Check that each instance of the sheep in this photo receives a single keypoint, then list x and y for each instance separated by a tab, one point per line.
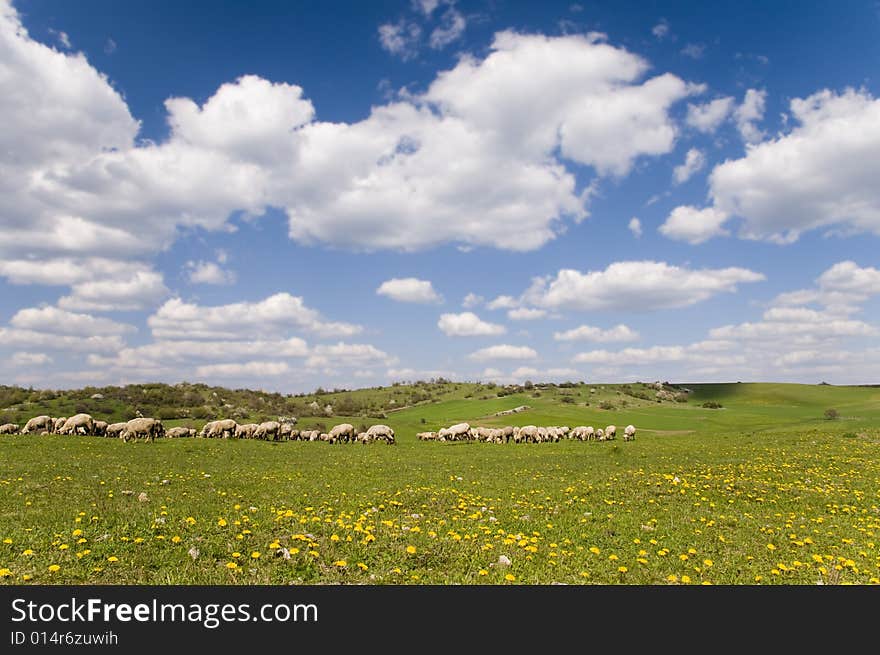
115	430
78	424
267	429
180	433
629	433
426	436
379	431
9	428
224	428
57	424
37	424
600	435
100	428
343	432
610	432
148	428
246	430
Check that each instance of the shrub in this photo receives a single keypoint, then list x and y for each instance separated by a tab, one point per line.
711	404
831	414
606	404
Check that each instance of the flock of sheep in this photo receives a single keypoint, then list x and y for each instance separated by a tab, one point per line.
152	428
525	434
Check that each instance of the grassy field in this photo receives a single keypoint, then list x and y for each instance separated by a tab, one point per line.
762	490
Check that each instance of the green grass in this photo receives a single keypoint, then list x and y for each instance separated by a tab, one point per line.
765	490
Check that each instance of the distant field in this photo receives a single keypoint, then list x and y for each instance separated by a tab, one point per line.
763	490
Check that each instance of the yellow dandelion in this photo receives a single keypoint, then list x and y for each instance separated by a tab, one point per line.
362	566
595	550
113	558
613	557
683	557
5	573
672	577
686	579
758	578
510	577
255	555
231	565
274	545
77	532
483	572
222	523
622	569
27	551
175	539
63	547
53	568
27	577
411	550
236	554
334	537
341	563
708	562
190	520
7	541
771	547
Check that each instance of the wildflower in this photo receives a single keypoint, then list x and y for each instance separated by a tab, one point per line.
27	551
613	557
274	545
483	572
113	558
622	569
411	550
77	532
54	568
190	520
341	563
595	550
222	523
686	579
5	573
26	577
236	554
231	565
510	577
708	562
771	547
362	566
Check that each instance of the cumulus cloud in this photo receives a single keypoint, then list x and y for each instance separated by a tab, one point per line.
661	30
58	321
139	290
451	29
349	354
750	112
26	360
409	289
635	286
619	332
503	351
178	319
561	374
18	338
797	325
694	225
472	300
243	370
709	116
822	173
657	355
503	302
467	324
400	38
174	352
635	226
694	162
841	288
694	50
526	314
203	272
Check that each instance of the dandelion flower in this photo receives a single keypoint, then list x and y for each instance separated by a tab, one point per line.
113	558
5	573
771	547
27	551
274	545
53	568
255	555
362	566
175	539
622	569
26	577
341	563
708	562
231	565
411	550
483	572
510	577
595	550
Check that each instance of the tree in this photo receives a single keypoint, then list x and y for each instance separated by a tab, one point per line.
528	384
831	414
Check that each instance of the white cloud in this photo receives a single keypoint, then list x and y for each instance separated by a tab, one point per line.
349	355
18	338
426	7
795	326
526	314
74	182
472	300
409	289
694	50
503	302
59	321
25	359
63	38
209	273
246	369
635	286
503	351
160	353
656	355
748	113
467	324
708	117
693	225
451	29
823	173
840	289
635	226
661	30
694	162
545	375
177	319
619	332
141	289
109	46
400	38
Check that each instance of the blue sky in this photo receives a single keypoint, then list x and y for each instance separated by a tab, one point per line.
291	195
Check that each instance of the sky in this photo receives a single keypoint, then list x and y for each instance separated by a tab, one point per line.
292	195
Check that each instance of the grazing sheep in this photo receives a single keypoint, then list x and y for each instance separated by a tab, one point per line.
527	434
37	424
600	435
9	428
266	430
148	428
246	430
115	430
379	431
100	428
629	433
284	431
78	424
224	428
180	433
57	424
610	432
426	436
344	432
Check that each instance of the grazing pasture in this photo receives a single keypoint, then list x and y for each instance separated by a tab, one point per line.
761	489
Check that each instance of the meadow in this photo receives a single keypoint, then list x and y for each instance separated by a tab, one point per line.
761	490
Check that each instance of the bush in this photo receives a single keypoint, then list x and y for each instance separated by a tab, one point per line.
711	404
606	404
831	414
568	400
